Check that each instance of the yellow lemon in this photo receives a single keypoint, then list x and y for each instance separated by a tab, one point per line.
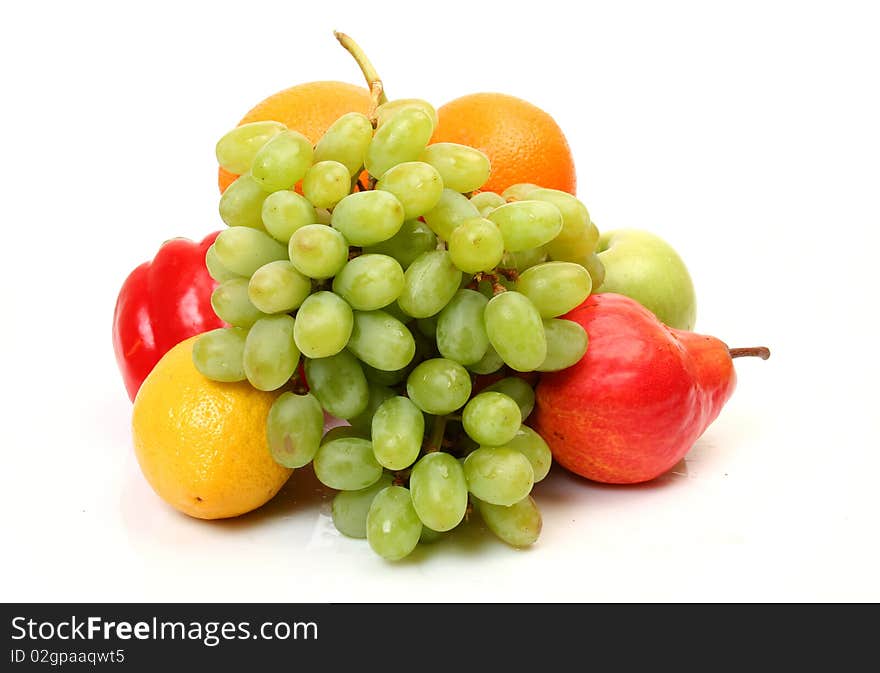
202	445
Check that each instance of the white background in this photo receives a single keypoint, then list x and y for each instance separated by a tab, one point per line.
744	133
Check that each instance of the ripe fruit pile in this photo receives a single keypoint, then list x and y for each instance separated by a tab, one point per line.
368	279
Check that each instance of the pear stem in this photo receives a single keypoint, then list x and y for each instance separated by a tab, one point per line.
377	90
754	352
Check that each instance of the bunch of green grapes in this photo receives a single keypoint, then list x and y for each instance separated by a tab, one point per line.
392	291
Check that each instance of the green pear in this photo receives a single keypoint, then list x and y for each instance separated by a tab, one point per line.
644	267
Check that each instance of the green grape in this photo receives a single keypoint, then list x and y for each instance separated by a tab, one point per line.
283	161
270	354
476	245
566	344
381	340
490	363
416	185
318	251
425	348
215	269
376	396
277	287
491	418
218	354
241	205
439	386
579	235
393	527
451	210
527	224
486	202
516	331
498	475
534	448
323	325
326	184
231	303
428	326
369	282
429	536
464	445
285	212
323	216
460	331
347	464
439	491
236	150
525	259
594	267
367	218
402	137
385	111
341	431
346	141
564	249
555	287
571	249
383	378
394	310
462	168
397	430
412	239
339	384
489	288
429	283
519	191
349	508
243	250
519	525
294	428
517	389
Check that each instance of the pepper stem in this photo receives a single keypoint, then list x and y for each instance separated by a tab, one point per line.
754	352
377	90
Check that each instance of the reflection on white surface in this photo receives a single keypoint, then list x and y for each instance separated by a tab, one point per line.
272	547
739	519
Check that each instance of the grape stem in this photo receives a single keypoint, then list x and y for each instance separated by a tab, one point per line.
497	287
401	477
299	386
377	89
435	440
511	274
753	352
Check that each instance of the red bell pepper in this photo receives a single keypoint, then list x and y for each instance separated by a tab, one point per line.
161	303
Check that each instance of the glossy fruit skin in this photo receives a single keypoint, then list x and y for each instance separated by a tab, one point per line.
523	143
643	266
309	108
639	398
161	303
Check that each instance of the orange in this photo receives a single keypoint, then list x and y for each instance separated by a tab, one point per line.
309	108
202	445
523	143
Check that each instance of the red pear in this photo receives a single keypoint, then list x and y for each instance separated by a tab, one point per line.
639	398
